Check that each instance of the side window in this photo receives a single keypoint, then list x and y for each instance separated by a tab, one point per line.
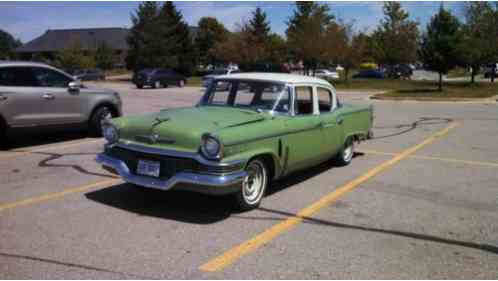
304	101
17	77
324	99
49	78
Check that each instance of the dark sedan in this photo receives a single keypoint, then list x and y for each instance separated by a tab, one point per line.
374	74
158	78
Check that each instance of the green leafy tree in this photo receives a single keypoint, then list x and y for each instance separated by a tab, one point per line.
439	46
306	30
73	57
104	57
480	36
210	32
7	45
396	38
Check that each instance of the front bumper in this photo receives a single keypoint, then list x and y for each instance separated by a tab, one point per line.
202	183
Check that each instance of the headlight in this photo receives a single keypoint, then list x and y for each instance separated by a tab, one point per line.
110	133
211	147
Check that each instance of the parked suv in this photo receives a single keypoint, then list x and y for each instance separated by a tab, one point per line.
158	78
35	95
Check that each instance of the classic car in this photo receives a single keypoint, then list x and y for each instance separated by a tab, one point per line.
237	139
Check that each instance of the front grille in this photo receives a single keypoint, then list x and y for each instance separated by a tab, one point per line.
169	165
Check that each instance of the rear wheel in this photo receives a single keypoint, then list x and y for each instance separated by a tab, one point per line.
157	84
181	83
253	186
3	136
345	155
100	115
140	86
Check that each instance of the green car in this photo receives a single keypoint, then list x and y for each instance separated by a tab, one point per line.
247	130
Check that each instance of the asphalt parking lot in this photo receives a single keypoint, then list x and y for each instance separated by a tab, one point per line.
420	200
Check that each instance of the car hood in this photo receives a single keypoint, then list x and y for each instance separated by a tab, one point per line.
182	128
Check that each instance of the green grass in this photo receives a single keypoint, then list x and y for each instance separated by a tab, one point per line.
420	89
428	90
458	72
113	72
194	81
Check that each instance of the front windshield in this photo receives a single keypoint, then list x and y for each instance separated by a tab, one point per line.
255	95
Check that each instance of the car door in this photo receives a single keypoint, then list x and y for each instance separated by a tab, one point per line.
304	137
330	121
19	97
59	104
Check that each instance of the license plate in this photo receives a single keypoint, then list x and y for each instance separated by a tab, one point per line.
148	168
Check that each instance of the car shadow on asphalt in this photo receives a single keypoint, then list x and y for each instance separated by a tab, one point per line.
405	234
25	141
185	206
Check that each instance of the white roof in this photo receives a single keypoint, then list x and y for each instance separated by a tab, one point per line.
277	77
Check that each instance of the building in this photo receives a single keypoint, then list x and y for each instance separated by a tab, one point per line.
53	40
88	39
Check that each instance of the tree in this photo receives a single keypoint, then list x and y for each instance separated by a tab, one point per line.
259	26
7	45
210	32
396	38
480	35
140	40
306	31
159	38
104	56
73	57
173	42
439	47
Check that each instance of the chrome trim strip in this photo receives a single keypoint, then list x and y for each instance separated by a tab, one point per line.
174	153
182	177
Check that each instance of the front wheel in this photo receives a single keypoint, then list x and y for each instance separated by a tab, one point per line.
345	155
4	141
181	83
253	186
100	115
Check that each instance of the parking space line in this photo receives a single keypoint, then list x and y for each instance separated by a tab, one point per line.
22	152
56	195
232	255
452	160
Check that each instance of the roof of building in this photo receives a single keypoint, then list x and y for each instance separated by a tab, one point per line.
277	77
87	38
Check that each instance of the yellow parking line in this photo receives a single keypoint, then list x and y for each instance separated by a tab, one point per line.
225	259
22	152
452	160
56	195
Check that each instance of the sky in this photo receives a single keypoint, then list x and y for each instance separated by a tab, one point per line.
28	20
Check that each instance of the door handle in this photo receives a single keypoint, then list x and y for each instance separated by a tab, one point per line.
340	120
2	97
48	96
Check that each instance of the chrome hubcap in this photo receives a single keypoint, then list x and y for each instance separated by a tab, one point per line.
348	153
158	85
254	182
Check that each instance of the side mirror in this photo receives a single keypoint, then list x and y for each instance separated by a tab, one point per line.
74	86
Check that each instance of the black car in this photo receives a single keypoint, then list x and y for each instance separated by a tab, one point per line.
89	74
374	73
158	78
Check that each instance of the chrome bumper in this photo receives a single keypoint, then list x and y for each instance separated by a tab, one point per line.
221	184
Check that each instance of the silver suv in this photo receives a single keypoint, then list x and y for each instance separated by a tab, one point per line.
35	95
